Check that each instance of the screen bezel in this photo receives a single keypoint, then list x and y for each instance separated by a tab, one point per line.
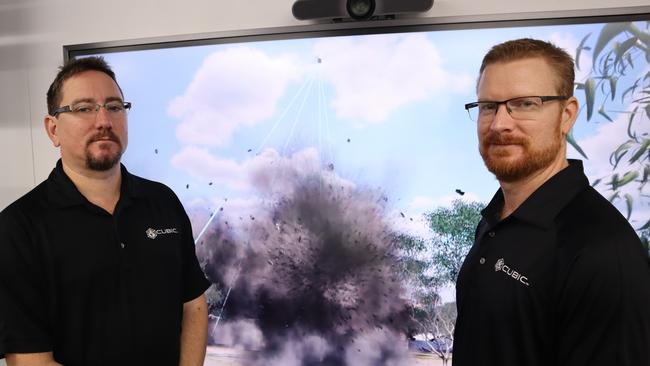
345	28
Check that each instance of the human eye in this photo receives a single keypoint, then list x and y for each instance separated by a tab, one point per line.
525	104
114	107
487	107
83	108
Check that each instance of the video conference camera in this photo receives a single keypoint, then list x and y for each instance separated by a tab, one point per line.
356	9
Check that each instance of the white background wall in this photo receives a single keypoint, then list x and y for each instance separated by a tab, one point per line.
32	33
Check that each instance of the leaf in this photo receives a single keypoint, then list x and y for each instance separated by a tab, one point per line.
572	141
612	85
629	60
595	183
581	47
579	86
644	37
629	123
601	111
627	178
621	150
609	32
640	151
613	197
629	202
623	48
646	173
590	94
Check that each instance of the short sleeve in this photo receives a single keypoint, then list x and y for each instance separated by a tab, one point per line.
24	307
194	281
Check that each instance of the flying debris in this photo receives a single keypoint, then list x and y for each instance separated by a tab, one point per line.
402	214
460	192
348	140
187	186
330	166
210	183
249	150
319	60
312	251
156	151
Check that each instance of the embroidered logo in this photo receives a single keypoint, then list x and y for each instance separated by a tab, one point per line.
501	266
153	233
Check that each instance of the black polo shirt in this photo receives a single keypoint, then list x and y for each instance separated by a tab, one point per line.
563	280
96	288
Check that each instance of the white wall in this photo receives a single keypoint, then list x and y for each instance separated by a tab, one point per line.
32	33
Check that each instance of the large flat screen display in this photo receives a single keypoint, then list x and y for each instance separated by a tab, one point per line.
334	182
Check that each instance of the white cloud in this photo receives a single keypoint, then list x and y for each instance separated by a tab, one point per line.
375	75
237	86
202	165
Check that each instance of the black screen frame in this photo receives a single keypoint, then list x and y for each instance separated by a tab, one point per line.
346	28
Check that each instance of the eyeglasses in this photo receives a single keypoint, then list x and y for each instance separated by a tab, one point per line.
518	108
88	110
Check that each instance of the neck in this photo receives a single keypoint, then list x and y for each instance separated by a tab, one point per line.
515	193
100	188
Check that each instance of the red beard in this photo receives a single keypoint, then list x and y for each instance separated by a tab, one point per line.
506	167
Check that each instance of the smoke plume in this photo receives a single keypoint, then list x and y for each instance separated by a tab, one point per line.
313	268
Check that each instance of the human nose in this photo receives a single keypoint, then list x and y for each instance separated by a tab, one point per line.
502	119
102	117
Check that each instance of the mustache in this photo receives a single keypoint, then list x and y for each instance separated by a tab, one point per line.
495	138
105	135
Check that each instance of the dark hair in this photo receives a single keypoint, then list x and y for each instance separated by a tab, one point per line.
522	48
71	68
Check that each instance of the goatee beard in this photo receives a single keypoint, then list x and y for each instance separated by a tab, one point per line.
530	161
107	162
103	164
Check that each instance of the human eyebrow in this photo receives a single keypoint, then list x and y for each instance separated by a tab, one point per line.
113	99
82	100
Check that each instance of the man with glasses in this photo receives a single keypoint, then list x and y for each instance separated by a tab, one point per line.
556	276
98	266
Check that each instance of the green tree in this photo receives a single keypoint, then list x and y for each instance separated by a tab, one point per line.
430	264
619	78
453	235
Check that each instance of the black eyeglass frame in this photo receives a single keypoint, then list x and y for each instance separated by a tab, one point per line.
544	99
68	108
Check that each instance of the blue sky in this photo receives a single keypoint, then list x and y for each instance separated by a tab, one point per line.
385	110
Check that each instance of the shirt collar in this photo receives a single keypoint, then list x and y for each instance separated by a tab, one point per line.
63	193
543	205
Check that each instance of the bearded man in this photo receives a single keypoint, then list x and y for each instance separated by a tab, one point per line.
98	266
556	276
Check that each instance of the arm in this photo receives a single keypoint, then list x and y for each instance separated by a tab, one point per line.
194	332
28	359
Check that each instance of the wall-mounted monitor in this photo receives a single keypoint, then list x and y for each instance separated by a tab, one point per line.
333	178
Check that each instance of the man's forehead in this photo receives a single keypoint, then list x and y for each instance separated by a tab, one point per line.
88	85
521	76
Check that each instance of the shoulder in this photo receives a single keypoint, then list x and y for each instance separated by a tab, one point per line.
592	217
152	189
31	204
594	237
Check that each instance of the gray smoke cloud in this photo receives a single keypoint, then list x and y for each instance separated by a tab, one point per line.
313	270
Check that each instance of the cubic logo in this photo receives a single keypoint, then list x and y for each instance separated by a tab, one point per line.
501	266
153	233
